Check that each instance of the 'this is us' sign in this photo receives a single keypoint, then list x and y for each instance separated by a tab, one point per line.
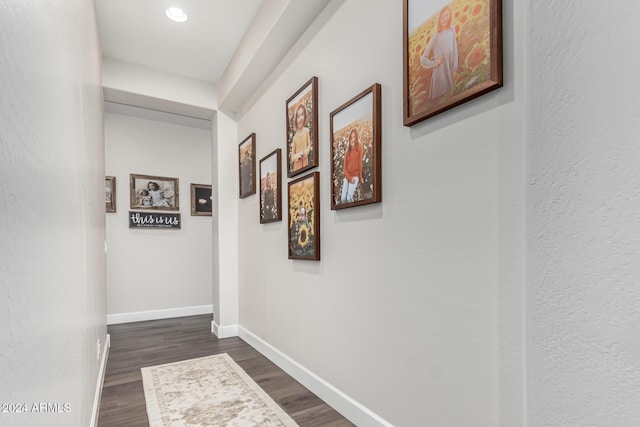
153	220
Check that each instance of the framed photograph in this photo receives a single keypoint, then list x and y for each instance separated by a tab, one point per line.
452	53
110	193
270	187
154	192
201	200
247	166
304	217
302	129
356	159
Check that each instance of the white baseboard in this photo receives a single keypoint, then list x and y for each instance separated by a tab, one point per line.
341	402
138	316
224	331
101	373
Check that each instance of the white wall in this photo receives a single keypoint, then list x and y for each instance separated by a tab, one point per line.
52	268
152	269
583	299
415	310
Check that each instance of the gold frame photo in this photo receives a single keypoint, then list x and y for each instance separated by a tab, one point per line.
356	157
302	129
304	217
154	192
452	53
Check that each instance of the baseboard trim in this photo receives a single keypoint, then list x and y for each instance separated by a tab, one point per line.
224	331
167	313
101	374
338	400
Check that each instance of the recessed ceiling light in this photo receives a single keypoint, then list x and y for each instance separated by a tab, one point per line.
176	14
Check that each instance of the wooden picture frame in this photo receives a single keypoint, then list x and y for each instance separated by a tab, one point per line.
304	217
247	166
271	187
302	129
154	192
356	170
201	200
451	54
110	193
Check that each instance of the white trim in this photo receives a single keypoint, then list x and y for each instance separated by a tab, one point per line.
338	400
224	331
101	373
167	313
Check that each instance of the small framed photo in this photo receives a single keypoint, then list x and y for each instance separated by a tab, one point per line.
154	192
270	187
356	159
247	166
201	200
110	193
451	52
302	129
304	217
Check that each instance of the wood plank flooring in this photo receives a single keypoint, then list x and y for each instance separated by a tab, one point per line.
140	344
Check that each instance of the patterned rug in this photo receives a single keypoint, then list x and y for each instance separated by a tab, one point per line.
208	391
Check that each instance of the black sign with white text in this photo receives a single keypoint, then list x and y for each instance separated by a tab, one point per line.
154	220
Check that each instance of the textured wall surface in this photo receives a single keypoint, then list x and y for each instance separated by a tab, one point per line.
584	215
52	267
154	269
415	309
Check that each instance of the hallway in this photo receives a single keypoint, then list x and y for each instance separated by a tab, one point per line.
140	344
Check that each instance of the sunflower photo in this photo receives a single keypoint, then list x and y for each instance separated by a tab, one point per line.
270	183
452	53
304	217
356	172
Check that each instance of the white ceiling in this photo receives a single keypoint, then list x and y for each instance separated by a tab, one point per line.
138	32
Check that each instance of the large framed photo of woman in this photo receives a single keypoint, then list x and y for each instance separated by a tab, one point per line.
452	53
154	192
270	187
356	172
247	166
302	129
304	217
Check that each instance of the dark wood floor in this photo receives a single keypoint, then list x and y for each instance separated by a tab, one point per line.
140	344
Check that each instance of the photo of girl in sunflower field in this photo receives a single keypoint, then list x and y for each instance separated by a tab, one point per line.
453	54
304	218
355	150
302	131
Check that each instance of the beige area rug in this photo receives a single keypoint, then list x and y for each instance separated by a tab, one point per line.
208	391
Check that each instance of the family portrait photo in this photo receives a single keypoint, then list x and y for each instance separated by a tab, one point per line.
154	192
452	52
302	129
355	150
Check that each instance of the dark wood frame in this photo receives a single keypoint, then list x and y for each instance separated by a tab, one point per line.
312	123
132	192
110	206
278	196
194	205
293	212
494	63
251	139
375	157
